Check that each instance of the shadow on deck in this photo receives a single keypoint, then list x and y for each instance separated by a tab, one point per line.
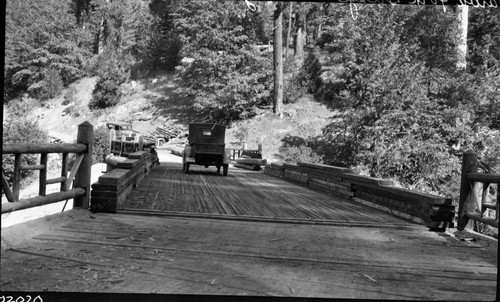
164	240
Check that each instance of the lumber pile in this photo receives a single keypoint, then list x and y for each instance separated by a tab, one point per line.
164	134
433	211
114	186
250	160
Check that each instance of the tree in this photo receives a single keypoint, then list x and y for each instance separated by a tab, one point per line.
41	37
227	75
278	60
411	129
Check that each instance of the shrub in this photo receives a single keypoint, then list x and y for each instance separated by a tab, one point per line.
69	96
100	144
105	94
72	110
19	129
49	87
296	149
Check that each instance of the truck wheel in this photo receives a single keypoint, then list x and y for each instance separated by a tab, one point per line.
218	169
225	168
185	167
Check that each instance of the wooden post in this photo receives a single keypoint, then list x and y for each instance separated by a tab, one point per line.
469	164
43	175
17	177
64	170
82	178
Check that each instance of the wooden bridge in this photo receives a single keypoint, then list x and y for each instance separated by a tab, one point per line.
250	233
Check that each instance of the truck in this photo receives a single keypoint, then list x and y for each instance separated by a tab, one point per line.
206	147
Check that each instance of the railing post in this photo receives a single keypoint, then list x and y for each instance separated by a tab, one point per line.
64	170
42	190
82	178
469	164
16	185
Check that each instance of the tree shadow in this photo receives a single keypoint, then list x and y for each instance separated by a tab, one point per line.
172	101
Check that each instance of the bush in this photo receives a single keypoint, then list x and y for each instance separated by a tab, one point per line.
105	94
21	130
100	144
69	96
112	73
72	110
49	87
296	149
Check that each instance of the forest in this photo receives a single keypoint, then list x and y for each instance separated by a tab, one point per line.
405	107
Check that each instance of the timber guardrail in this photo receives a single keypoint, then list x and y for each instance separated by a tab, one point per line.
79	175
433	211
470	206
116	184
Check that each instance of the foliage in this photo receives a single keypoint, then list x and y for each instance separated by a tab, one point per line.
112	72
296	150
41	48
227	76
100	144
18	129
412	129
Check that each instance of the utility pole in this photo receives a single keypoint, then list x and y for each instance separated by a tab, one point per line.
278	60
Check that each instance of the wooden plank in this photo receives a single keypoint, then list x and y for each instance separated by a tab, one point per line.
206	256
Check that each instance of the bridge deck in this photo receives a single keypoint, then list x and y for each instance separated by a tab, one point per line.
247	194
142	251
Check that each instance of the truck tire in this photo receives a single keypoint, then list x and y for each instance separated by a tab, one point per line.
185	167
225	168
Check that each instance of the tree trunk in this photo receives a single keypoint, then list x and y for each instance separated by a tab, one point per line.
278	60
299	39
288	33
462	14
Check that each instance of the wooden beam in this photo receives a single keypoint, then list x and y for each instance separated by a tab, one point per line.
469	165
484	177
64	170
42	200
85	136
43	148
6	189
17	176
478	217
32	167
56	180
43	175
72	174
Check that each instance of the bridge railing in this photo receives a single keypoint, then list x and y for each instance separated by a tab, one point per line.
235	153
79	176
469	201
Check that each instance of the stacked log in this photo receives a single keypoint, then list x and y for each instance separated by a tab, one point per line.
433	211
114	186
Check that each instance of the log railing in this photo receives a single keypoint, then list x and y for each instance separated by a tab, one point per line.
79	176
468	201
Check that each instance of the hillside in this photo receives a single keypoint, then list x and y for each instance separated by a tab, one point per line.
159	101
